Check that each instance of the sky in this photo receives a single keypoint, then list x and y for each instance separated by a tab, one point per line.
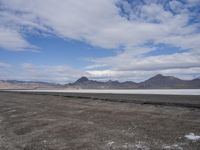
61	40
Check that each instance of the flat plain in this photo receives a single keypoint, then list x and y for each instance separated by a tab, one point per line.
73	121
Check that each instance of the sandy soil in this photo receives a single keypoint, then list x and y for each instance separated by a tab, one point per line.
52	121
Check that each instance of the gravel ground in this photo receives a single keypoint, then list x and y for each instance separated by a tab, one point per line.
53	121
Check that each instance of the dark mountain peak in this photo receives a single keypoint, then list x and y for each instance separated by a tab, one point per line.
82	79
161	81
129	82
112	81
158	76
196	79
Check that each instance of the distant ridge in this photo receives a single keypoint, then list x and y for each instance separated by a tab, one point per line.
28	85
160	81
156	82
82	79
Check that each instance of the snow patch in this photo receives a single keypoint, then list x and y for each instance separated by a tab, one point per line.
192	136
171	147
141	145
110	143
10	111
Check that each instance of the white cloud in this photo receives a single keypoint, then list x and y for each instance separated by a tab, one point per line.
185	42
64	73
12	40
140	75
129	67
178	60
4	65
99	23
193	1
31	72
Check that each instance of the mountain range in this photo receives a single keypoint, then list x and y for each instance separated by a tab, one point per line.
28	85
157	82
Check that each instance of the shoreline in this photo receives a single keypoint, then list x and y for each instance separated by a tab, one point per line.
189	101
120	91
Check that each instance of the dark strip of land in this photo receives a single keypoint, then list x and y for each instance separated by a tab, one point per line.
190	101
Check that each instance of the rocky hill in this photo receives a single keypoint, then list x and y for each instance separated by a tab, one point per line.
157	82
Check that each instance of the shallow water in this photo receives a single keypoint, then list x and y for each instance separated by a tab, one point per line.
134	91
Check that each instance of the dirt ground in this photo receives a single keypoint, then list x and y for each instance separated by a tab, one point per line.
36	121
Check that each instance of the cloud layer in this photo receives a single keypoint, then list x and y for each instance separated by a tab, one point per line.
137	27
30	72
65	74
100	23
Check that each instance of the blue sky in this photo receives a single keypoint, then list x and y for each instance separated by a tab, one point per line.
55	51
105	39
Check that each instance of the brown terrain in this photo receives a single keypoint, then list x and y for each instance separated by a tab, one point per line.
55	121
